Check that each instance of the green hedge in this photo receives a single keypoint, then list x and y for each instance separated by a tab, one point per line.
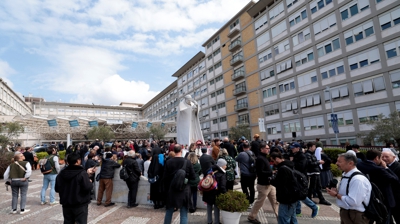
335	170
333	153
42	155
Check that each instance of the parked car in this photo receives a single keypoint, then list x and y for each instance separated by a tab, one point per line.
40	149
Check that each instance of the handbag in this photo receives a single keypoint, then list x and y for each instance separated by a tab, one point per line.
208	183
153	179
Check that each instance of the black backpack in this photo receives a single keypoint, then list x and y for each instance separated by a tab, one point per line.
300	184
123	173
179	180
46	165
375	210
253	159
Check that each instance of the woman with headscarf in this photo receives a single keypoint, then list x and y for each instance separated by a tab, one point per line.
155	175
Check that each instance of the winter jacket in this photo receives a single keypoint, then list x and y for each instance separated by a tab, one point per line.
255	147
107	169
197	172
206	162
220	176
327	160
74	186
300	162
312	163
263	168
133	169
283	183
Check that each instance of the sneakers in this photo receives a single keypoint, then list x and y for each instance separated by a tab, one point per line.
325	202
43	202
54	203
24	211
299	215
13	211
315	212
255	221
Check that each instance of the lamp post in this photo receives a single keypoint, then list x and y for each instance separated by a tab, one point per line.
328	89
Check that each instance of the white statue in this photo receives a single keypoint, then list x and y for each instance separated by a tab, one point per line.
188	123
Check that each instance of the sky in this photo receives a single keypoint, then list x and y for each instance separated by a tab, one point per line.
103	51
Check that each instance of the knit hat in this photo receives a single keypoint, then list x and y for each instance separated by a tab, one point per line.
221	162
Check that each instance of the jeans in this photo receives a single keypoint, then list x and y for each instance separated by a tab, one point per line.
183	215
209	214
74	215
48	179
247	184
264	191
16	187
307	202
193	191
287	214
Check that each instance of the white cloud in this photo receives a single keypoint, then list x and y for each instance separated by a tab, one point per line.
5	72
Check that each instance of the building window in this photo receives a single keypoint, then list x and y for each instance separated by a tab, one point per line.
365	58
358	33
213	108
213	95
224	133
278	29
289	105
243	119
262	39
203	77
353	8
271	109
310	100
371	113
304	57
216	135
331	70
217	65
324	24
392	48
312	123
219	92
210	57
282	47
307	78
337	93
344	118
290	3
210	69
318	4
212	82
390	19
222	105
269	91
283	66
216	52
274	12
219	78
267	73
222	119
328	47
291	126
209	45
369	86
274	128
215	121
286	86
301	36
395	78
234	24
297	17
260	22
265	55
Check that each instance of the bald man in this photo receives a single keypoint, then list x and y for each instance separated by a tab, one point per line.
390	159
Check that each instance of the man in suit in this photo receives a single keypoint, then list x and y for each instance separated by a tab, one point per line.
390	159
381	176
206	161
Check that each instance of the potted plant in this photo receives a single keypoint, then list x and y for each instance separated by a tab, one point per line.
232	204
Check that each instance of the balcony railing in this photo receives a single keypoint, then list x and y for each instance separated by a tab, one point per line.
233	32
242	122
241	106
238	75
239	90
235	45
237	59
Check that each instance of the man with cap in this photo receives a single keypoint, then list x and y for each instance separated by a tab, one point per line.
255	145
206	161
106	179
247	176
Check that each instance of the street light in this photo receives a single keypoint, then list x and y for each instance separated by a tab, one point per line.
328	89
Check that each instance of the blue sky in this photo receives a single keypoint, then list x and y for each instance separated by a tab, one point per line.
104	51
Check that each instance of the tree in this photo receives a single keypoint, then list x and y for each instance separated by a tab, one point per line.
101	132
12	130
157	131
384	129
241	130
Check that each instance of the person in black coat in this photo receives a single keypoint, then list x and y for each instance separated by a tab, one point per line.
132	182
210	196
156	170
255	145
74	186
177	199
381	176
229	147
206	161
28	155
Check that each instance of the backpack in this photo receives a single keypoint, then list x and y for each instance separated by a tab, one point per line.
252	167
208	183
300	184
45	165
179	180
123	173
375	210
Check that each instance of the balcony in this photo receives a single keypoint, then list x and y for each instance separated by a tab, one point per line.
238	75
235	45
233	32
236	60
239	90
242	122
241	106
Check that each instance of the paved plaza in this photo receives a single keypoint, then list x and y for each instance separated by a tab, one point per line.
142	214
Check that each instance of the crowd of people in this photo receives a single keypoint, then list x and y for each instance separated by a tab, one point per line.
271	163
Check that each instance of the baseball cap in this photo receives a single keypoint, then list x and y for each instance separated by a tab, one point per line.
256	136
295	145
243	138
355	146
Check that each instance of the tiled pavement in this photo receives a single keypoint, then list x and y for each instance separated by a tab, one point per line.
142	214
